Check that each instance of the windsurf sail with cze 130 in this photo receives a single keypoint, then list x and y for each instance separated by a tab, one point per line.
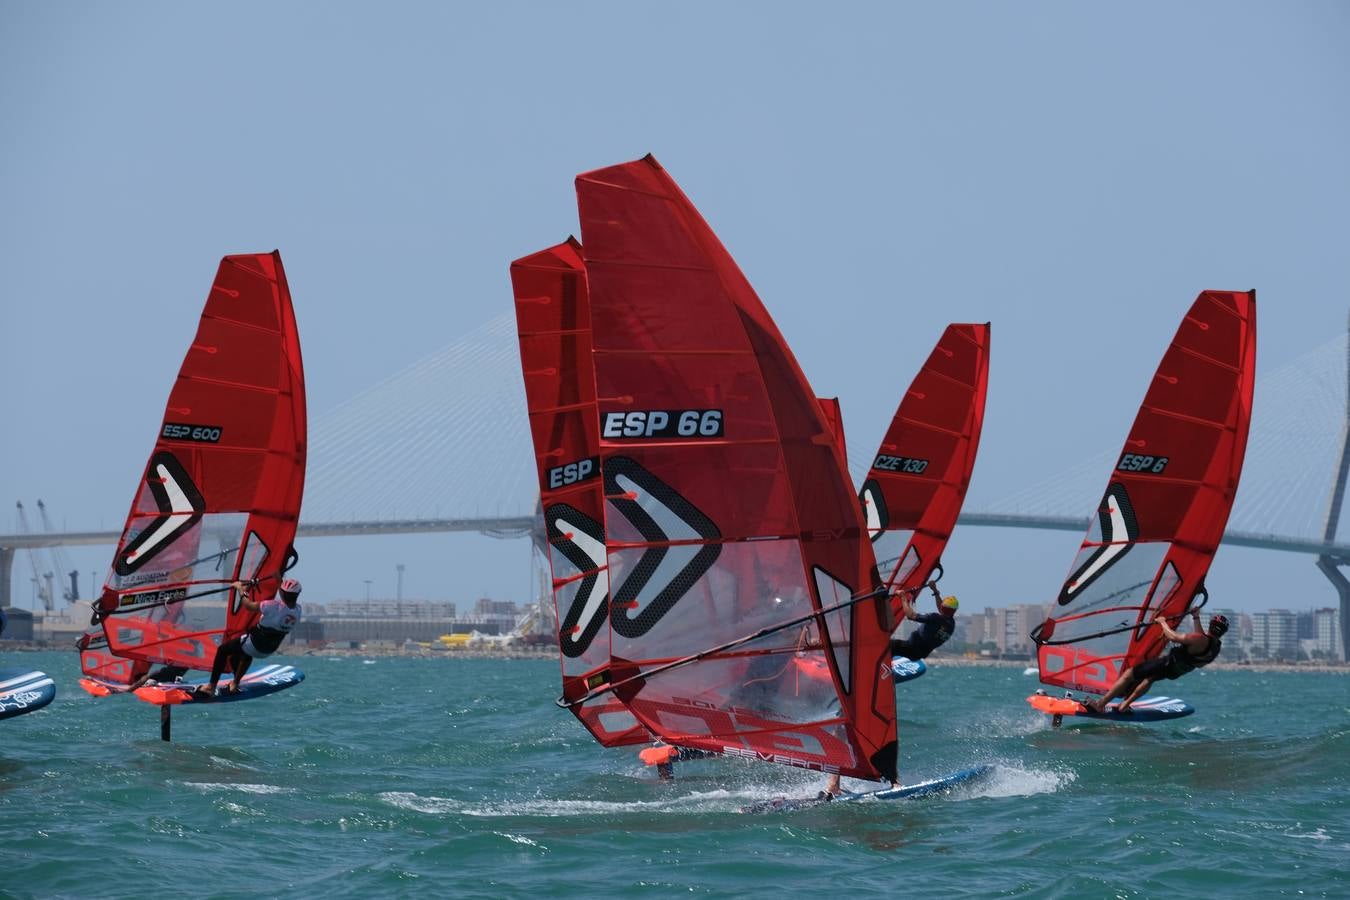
554	324
746	616
919	476
1163	514
220	496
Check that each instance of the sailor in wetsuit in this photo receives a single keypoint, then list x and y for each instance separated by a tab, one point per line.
277	619
934	628
1193	650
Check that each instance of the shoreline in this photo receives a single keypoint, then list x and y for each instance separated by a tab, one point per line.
936	661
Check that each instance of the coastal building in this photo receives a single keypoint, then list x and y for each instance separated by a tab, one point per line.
1008	628
19	625
1327	633
1275	634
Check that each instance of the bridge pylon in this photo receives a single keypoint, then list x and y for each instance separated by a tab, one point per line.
1330	566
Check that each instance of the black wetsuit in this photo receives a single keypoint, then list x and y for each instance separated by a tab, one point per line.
933	632
1177	662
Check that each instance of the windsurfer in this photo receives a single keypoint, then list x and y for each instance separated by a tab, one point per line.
934	628
1194	649
277	619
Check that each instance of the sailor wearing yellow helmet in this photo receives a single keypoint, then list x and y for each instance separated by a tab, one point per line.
934	628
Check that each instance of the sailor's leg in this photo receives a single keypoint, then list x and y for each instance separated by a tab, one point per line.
1122	685
1135	694
242	661
218	665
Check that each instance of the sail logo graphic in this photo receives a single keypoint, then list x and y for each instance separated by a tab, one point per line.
662	423
664	573
1142	463
573	473
874	509
1120	530
907	465
581	540
180	507
149	599
177	431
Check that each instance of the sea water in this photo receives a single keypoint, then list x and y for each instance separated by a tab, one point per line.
456	778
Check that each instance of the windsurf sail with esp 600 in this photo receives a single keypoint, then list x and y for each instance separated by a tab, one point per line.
105	673
220	496
1166	504
746	616
553	320
919	476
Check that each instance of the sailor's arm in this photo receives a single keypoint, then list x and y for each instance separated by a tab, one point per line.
907	606
1168	632
242	589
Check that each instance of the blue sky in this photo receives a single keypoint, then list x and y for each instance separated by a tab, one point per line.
1075	173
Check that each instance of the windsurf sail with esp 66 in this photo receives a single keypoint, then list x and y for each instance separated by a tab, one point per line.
553	320
1166	504
746	617
919	476
220	496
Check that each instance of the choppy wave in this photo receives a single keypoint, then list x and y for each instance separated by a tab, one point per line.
462	778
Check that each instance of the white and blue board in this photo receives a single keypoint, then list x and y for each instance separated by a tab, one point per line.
1145	709
906	669
930	788
266	680
1148	709
23	691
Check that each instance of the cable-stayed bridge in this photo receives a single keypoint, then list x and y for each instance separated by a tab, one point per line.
444	445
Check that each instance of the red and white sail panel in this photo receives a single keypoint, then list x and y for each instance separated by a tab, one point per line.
554	323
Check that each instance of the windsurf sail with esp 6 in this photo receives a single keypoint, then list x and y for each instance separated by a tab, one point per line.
746	617
553	320
1166	504
919	476
220	496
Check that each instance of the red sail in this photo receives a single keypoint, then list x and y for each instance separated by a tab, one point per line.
97	662
1166	504
918	480
834	417
220	496
553	319
728	510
